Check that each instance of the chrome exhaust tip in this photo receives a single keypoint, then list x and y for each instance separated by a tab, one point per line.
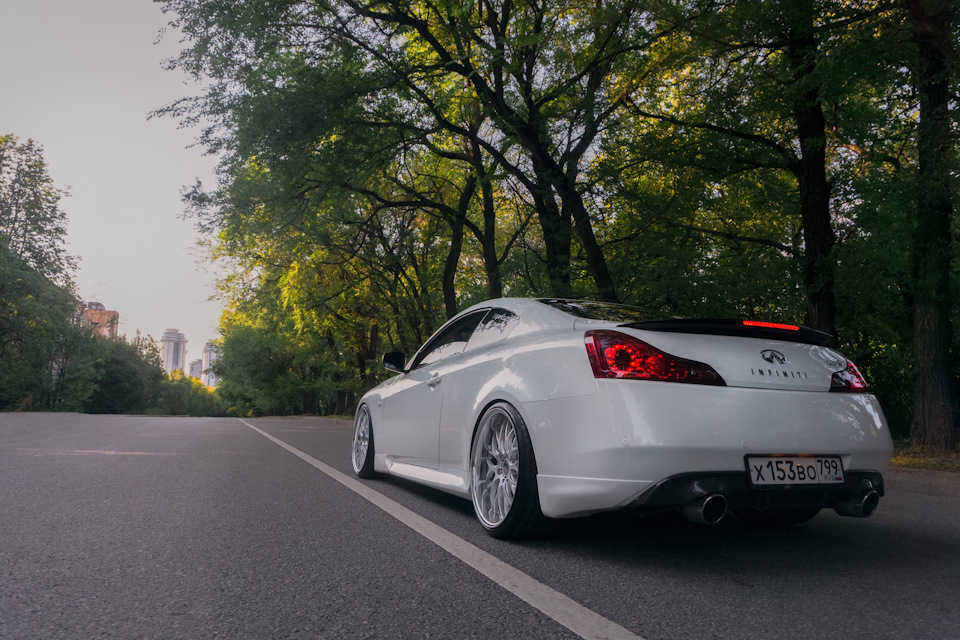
707	510
861	506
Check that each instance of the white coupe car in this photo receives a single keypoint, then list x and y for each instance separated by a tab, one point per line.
537	409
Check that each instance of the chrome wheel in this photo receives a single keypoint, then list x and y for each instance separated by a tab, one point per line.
496	467
363	444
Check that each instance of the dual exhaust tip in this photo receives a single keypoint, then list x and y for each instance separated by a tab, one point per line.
711	509
707	510
861	506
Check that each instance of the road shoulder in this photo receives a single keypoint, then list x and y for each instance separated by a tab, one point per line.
937	483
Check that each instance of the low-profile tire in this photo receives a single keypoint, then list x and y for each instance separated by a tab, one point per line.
778	517
362	447
503	476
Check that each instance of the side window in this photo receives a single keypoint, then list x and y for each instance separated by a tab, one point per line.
451	340
496	325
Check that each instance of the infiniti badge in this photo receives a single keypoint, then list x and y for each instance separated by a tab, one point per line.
772	356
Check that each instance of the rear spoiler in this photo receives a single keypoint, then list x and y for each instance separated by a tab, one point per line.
739	328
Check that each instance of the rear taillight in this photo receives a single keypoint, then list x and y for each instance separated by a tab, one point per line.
850	380
770	325
617	355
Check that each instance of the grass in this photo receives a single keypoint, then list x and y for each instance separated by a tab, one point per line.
905	455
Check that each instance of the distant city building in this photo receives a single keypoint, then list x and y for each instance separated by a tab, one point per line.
196	369
210	355
173	351
104	322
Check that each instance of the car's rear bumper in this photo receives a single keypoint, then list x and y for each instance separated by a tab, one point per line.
687	488
566	496
625	445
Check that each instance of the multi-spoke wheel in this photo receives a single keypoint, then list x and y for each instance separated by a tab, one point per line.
504	476
362	457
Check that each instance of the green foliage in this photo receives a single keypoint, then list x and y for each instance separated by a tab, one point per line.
385	166
181	395
48	362
32	225
272	362
128	376
44	364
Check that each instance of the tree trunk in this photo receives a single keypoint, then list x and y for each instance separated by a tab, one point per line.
550	173
488	236
450	266
819	271
596	262
366	356
491	262
936	412
557	236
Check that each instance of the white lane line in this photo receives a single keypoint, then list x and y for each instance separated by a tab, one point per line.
570	613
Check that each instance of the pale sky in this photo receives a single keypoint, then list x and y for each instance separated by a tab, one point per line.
80	77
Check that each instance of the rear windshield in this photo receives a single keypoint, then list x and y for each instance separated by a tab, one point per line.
606	311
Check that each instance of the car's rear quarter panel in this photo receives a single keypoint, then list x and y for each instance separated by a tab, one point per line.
534	367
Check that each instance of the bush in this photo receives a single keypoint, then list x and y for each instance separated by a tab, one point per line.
181	395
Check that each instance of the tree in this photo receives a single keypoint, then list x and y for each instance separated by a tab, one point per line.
386	163
762	78
46	362
129	376
936	410
181	395
31	221
547	78
256	374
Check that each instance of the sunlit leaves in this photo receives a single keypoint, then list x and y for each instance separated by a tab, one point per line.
388	162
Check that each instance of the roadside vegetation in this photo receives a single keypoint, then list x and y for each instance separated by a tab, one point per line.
48	361
384	166
913	457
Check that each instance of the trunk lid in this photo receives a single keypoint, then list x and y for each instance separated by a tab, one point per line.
762	356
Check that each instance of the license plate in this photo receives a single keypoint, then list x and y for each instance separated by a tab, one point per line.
790	470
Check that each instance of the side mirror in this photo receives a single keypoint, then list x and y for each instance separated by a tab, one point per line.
394	361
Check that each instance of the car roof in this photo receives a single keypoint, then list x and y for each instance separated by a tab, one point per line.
562	311
529	310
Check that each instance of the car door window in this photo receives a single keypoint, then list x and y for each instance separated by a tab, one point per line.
451	341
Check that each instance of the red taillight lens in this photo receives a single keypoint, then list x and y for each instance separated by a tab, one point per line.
770	325
850	380
617	355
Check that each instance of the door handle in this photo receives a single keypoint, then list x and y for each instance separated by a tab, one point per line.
434	381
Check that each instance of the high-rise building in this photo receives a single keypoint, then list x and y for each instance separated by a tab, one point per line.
102	321
173	351
210	355
196	369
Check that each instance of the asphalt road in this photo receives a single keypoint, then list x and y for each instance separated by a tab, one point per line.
136	527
